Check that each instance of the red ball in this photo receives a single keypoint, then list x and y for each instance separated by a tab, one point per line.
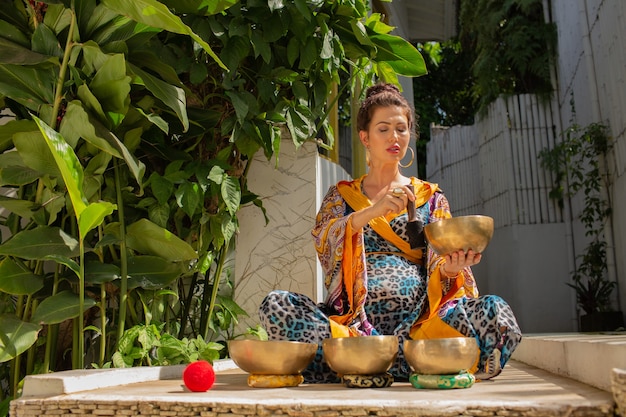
199	376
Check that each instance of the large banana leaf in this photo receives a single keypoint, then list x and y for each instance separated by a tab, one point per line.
31	86
23	208
60	307
16	336
206	7
111	86
39	243
99	273
12	127
17	280
35	154
155	14
72	172
150	239
78	123
151	272
67	162
13	53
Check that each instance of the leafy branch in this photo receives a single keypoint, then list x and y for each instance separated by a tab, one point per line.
577	165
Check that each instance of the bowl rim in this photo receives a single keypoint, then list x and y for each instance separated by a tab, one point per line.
441	339
461	218
294	342
379	336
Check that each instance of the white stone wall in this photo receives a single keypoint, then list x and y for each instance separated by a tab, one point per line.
281	255
591	71
491	168
535	245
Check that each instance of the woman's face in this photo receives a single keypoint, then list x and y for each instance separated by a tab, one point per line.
388	135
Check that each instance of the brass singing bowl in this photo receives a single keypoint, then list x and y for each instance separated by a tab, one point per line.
271	357
462	232
363	355
446	356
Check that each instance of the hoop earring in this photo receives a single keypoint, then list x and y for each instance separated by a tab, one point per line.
412	159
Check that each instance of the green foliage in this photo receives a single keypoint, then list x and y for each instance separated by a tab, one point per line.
149	345
445	96
576	163
125	165
513	47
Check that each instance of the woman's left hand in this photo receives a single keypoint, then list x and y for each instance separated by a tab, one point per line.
456	261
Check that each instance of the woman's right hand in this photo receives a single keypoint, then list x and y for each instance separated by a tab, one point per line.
389	203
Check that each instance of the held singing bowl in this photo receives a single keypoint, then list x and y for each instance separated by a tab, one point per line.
362	355
271	357
446	356
462	232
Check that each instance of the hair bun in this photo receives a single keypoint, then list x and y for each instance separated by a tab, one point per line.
381	88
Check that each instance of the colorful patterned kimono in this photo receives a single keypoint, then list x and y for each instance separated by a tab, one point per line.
376	284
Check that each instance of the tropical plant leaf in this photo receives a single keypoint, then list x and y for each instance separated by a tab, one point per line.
188	196
40	242
64	260
12	33
57	17
151	272
231	193
150	239
15	175
12	127
94	215
23	208
99	273
172	96
31	86
35	153
206	7
82	124
13	53
60	307
16	336
156	14
403	57
111	86
45	42
17	280
68	163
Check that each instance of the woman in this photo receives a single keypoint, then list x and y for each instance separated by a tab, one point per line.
377	284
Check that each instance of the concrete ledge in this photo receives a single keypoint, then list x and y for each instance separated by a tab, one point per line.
67	382
585	357
618	378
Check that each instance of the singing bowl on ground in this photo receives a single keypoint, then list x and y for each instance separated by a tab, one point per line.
462	232
271	357
363	355
446	356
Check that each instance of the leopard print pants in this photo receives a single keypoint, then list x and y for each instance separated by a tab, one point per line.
291	316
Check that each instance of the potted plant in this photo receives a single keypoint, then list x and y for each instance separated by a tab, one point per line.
577	161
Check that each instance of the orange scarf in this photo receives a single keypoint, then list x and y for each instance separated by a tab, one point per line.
429	325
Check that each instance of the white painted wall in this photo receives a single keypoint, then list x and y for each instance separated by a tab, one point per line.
489	169
281	254
531	257
591	71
